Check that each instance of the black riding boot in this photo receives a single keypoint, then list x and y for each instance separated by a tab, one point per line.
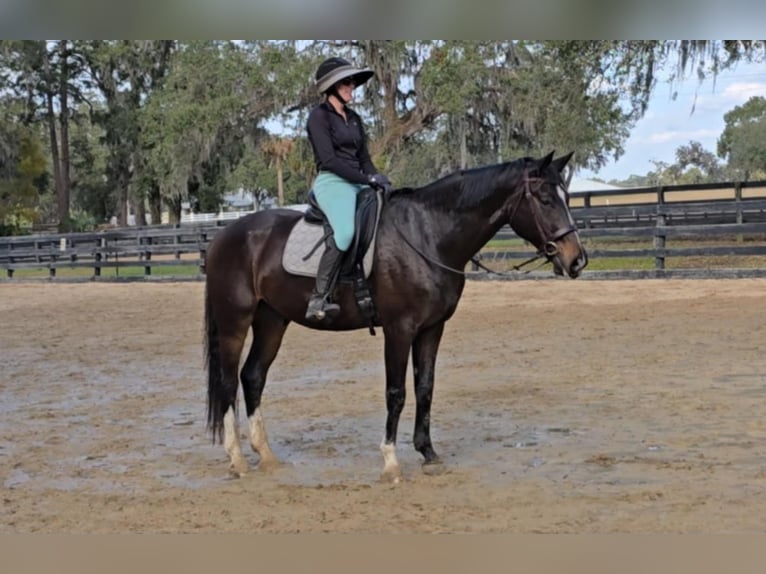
327	274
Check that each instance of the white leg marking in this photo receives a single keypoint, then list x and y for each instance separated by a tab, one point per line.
259	440
391	468
238	465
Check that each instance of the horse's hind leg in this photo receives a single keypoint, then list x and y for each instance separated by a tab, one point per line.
268	330
231	349
226	328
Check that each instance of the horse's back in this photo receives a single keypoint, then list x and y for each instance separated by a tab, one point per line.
254	229
254	240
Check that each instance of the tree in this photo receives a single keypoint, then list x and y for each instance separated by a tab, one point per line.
211	106
278	149
743	140
46	75
22	177
477	102
90	190
125	73
698	165
150	124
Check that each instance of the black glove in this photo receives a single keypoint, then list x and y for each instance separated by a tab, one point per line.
380	181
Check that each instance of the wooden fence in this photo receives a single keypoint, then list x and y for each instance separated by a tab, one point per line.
710	203
146	248
745	239
178	252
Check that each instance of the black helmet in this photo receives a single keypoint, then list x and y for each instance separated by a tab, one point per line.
333	70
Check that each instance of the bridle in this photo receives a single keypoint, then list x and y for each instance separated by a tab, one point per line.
549	247
547	251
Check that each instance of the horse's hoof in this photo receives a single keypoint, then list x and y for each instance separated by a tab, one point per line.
238	470
268	464
391	476
434	467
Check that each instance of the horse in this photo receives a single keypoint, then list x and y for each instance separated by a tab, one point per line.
425	238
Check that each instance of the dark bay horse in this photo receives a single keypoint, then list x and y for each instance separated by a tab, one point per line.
425	238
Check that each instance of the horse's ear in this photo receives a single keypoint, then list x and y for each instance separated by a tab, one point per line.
545	162
561	162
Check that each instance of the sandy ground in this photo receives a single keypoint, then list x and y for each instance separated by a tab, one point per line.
560	406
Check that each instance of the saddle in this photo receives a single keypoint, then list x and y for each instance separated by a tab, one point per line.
306	243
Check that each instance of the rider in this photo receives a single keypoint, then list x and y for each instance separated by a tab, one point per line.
344	167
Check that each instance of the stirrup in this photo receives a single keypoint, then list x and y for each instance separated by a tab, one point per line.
319	309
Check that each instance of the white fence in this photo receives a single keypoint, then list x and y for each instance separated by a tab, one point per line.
227	215
207	217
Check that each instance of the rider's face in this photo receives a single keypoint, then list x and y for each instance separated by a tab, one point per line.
346	89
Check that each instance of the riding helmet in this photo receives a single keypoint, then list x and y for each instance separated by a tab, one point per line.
333	70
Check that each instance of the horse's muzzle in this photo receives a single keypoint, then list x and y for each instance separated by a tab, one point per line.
571	267
580	263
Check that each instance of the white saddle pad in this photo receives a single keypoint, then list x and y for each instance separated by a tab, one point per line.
303	238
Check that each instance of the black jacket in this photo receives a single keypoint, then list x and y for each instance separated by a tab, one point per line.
340	146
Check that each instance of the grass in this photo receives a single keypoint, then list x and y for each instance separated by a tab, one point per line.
644	262
136	269
129	271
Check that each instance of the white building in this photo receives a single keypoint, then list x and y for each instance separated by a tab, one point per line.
582	185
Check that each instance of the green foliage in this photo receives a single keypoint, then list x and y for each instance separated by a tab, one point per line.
23	167
694	164
698	165
90	190
78	221
159	122
743	141
256	173
208	113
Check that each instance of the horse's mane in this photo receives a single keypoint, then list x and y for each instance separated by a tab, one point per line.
466	188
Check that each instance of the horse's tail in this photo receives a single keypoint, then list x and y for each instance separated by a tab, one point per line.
215	395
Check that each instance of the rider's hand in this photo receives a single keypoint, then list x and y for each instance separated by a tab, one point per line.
380	181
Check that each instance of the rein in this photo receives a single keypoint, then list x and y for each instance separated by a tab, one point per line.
547	251
475	260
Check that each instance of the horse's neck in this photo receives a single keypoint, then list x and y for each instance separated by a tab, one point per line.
462	226
471	232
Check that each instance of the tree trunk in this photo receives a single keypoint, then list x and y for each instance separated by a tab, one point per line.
122	179
174	209
463	145
63	208
155	203
61	200
280	184
66	182
140	208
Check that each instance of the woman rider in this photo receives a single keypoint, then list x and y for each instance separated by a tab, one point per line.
344	168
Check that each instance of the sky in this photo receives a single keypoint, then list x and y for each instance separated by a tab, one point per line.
696	114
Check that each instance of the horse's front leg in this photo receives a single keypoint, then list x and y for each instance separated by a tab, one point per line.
397	350
424	350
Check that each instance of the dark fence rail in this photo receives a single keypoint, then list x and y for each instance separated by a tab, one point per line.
727	202
144	247
659	251
663	194
156	252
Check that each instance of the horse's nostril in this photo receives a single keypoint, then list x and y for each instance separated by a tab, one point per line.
577	266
